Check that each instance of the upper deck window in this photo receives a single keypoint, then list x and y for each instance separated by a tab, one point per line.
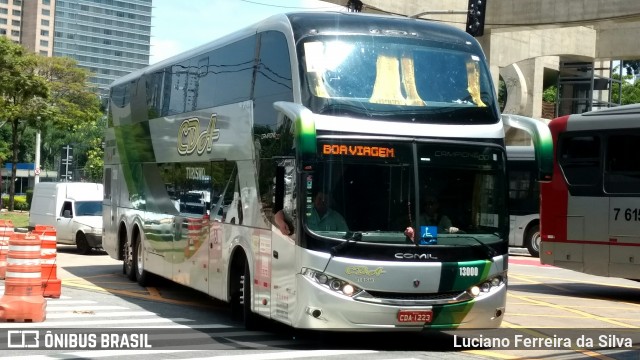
396	78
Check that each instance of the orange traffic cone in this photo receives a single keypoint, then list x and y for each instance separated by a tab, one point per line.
23	300
51	285
6	230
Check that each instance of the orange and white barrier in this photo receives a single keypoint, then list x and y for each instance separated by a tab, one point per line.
51	285
23	300
6	230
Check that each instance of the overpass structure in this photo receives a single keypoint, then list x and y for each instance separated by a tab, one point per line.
533	44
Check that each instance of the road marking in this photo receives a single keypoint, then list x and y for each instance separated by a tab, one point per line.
183	326
115	323
97	354
69	302
289	355
575	311
490	354
140	295
578	281
85	308
539	334
72	314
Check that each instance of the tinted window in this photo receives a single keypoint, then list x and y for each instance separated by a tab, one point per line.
224	76
273	77
178	90
622	173
524	191
579	158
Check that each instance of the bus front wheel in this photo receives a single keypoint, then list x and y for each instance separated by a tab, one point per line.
533	240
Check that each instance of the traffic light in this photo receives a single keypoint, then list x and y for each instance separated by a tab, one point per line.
354	6
475	17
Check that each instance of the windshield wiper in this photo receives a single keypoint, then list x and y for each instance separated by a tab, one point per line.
489	251
351	237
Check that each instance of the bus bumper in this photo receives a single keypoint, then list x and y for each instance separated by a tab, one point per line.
320	308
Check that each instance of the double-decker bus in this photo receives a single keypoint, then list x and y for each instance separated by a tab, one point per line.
524	199
590	211
374	112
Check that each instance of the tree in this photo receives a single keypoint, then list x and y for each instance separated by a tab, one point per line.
630	90
632	66
22	97
46	94
77	112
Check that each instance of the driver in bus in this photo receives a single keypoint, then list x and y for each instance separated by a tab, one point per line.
323	217
431	216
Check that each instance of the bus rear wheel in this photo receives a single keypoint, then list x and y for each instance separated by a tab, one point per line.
128	261
533	239
142	275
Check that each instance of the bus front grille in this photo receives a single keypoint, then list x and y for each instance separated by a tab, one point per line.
412	299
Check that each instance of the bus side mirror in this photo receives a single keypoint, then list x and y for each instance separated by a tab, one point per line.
542	142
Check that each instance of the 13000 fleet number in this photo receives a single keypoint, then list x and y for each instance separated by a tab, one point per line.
468	271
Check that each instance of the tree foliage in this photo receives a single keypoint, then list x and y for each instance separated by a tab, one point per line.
23	97
630	93
46	94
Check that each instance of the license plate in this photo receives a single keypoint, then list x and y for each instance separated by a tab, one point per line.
415	316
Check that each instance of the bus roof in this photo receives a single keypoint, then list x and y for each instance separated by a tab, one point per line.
329	23
618	110
620	117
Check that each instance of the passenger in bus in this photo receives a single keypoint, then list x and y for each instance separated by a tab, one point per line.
431	216
322	218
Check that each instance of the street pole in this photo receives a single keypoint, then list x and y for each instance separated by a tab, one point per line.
66	165
36	177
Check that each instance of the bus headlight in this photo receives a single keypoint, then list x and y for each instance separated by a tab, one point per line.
334	284
488	285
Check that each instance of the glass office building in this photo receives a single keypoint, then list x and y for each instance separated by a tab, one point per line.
110	38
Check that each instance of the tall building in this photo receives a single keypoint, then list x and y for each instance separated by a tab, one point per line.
29	22
110	38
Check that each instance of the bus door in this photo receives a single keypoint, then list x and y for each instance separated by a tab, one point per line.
283	261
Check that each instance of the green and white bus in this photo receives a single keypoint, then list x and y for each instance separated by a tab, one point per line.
376	112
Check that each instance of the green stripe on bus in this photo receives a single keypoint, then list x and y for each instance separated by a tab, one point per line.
306	134
459	276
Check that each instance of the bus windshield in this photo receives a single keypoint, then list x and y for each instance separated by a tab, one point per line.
396	79
370	190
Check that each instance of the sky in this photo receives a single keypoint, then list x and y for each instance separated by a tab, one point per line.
179	25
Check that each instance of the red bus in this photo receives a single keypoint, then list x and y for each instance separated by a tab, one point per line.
590	211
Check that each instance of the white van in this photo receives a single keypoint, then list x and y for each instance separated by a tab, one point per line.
73	208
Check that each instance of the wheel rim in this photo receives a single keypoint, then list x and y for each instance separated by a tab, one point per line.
242	289
535	241
139	257
128	256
